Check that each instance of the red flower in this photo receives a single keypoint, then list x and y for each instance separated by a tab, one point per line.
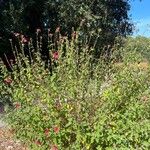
17	105
54	147
16	34
8	80
24	40
57	29
55	55
47	131
38	30
56	129
37	142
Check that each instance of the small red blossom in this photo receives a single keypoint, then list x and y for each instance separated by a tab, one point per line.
38	30
24	40
47	131
37	142
55	55
17	105
8	80
54	147
16	34
57	29
56	129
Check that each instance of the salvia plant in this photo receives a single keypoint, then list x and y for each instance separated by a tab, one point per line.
78	102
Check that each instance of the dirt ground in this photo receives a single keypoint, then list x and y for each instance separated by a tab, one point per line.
7	142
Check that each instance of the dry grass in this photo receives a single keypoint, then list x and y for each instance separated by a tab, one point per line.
142	65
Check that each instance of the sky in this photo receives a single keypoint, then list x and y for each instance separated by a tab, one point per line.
140	15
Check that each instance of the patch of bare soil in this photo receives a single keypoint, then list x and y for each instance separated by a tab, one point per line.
8	143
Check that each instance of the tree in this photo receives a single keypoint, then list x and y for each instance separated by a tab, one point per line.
104	18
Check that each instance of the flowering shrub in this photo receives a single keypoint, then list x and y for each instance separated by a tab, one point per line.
82	105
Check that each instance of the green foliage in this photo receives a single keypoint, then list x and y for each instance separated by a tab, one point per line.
105	19
140	45
82	105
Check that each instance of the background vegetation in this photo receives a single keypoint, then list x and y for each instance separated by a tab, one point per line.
101	19
82	105
91	92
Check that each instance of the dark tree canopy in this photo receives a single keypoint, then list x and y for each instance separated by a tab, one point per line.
109	18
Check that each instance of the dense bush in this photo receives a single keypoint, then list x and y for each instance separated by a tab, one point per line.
82	105
139	44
